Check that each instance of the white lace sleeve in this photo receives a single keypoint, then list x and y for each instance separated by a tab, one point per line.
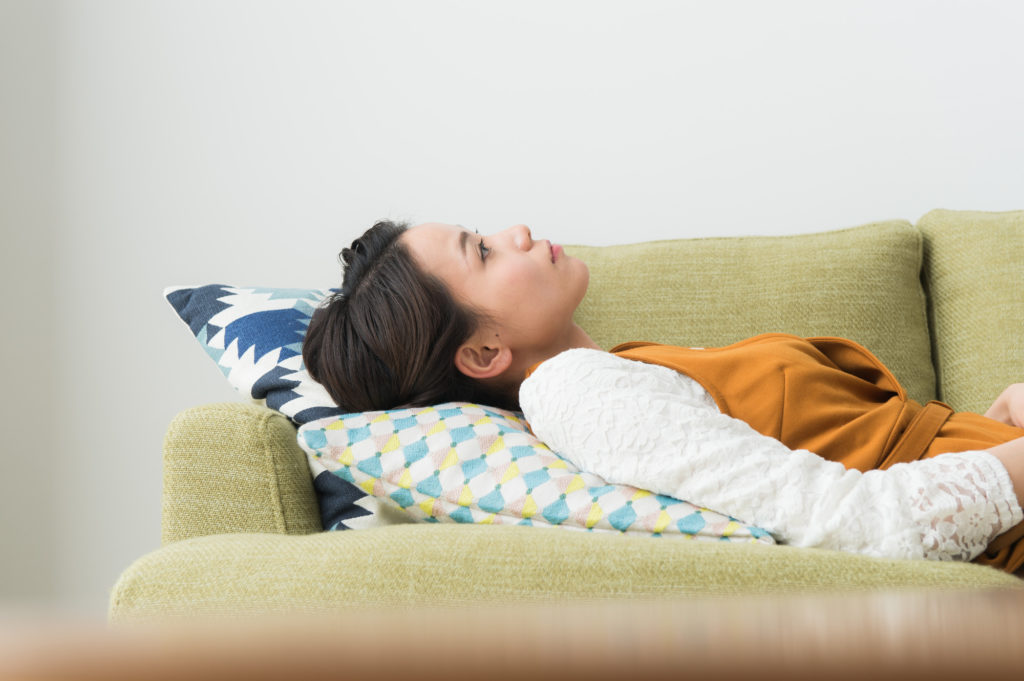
651	427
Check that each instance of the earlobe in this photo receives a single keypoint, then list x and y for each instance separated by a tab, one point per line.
482	361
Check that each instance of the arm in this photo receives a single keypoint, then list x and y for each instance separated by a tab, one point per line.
651	427
1009	409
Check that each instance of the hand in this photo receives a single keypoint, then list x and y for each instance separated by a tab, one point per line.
1009	406
1011	455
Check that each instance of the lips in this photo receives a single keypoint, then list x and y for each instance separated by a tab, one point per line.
556	251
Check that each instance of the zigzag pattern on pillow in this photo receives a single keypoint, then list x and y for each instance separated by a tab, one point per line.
254	335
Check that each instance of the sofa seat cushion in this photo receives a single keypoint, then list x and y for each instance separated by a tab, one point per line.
423	564
861	283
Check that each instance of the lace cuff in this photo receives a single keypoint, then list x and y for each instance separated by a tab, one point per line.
969	502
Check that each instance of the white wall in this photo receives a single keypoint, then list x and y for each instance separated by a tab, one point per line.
28	507
247	141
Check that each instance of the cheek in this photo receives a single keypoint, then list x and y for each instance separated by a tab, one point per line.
515	281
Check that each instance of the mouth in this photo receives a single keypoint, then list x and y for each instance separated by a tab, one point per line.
556	251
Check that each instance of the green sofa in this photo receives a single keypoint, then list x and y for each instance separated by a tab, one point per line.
942	303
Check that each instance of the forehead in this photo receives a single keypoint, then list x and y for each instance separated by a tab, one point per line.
435	228
435	245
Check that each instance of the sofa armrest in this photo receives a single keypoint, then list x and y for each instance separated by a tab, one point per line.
235	467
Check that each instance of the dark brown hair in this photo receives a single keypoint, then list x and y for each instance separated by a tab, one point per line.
388	338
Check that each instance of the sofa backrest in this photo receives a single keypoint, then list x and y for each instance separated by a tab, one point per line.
974	275
862	283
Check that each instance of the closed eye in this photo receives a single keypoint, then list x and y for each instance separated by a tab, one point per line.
484	251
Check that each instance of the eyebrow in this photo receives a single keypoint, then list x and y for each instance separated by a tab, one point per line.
463	240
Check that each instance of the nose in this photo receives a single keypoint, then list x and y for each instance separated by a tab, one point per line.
521	237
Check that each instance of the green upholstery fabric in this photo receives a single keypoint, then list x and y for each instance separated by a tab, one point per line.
235	467
974	272
459	564
861	283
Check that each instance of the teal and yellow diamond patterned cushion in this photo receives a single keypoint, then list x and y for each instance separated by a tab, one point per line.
466	463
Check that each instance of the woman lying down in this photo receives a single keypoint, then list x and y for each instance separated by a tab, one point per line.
812	439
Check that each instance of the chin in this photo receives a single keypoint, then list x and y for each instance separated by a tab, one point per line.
586	275
584	281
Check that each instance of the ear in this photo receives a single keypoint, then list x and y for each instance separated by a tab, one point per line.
483	358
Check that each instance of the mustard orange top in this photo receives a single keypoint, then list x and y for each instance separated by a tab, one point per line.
828	395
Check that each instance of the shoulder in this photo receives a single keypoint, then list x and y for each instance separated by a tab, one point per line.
596	370
579	360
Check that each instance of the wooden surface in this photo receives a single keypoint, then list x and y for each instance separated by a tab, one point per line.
861	636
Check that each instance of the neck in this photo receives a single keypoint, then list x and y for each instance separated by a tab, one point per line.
579	339
575	337
513	377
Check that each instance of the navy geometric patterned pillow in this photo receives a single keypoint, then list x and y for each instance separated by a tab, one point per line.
254	335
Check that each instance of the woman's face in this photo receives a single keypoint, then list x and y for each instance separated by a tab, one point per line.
529	288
